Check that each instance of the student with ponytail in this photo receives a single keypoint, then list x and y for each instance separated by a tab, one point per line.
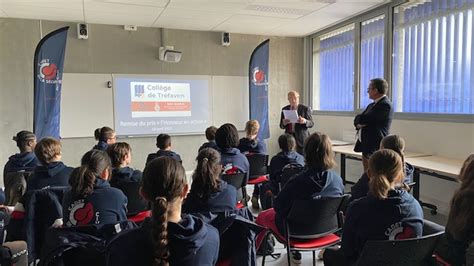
91	199
388	212
394	143
105	136
168	237
208	192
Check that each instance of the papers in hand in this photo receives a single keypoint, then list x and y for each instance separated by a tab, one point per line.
291	115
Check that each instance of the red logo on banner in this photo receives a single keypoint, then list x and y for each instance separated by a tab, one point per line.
258	77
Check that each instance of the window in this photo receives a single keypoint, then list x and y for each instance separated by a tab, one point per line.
333	70
433	55
371	55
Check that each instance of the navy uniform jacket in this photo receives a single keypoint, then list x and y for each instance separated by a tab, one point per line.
102	145
223	200
377	117
209	144
125	175
310	184
190	242
233	161
281	159
54	174
252	146
398	216
301	130
105	205
160	153
361	188
21	161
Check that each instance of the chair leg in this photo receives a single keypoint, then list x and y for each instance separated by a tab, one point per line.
288	254
265	242
314	258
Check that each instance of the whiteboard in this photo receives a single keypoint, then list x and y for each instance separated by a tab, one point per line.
87	103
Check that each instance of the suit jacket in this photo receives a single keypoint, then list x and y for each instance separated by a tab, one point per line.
301	130
377	118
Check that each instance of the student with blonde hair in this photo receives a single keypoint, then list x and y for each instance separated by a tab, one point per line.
250	143
459	228
388	212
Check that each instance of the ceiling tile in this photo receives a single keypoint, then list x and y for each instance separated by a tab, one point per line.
210	5
251	24
111	13
190	19
155	3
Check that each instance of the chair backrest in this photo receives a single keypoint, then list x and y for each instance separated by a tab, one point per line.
412	251
258	164
136	203
314	217
237	180
288	172
15	186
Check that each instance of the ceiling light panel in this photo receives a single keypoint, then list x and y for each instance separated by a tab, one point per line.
155	3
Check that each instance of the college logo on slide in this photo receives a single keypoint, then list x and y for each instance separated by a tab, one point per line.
48	72
81	213
259	78
139	90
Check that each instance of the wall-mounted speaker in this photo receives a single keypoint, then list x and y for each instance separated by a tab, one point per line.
225	39
82	31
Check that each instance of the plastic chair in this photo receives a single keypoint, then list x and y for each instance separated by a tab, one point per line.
136	203
310	226
258	168
239	181
288	172
413	251
15	186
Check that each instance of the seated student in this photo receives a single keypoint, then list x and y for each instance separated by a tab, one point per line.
52	172
387	212
124	177
250	144
287	155
459	233
91	199
168	237
391	142
105	136
163	143
211	138
208	192
317	180
26	159
232	160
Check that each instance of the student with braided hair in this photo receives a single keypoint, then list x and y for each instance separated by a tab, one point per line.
208	192
91	199
168	237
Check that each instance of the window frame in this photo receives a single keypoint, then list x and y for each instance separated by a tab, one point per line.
387	10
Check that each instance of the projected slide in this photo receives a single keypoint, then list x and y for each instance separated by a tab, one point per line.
151	105
153	99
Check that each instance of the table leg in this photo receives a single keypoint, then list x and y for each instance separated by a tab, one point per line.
343	168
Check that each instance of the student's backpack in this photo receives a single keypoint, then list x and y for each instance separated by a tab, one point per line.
15	186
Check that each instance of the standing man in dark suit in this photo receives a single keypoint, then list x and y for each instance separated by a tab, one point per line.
299	129
374	123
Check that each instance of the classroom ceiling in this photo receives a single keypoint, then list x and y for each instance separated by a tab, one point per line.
262	17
